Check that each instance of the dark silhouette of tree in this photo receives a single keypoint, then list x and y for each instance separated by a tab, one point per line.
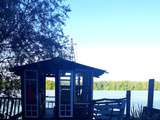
30	31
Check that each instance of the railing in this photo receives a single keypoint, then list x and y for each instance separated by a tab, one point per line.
50	101
109	109
10	108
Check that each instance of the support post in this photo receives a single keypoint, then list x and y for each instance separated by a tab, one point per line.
128	104
150	94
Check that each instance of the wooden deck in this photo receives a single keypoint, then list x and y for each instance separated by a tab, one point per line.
104	109
49	114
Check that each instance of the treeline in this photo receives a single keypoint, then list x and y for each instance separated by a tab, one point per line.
50	85
123	85
114	85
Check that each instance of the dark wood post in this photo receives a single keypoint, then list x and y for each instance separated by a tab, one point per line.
57	82
128	104
150	94
22	95
91	96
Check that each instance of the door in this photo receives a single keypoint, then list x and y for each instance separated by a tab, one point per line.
31	93
66	94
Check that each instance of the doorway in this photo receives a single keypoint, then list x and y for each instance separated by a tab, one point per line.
66	94
50	95
31	93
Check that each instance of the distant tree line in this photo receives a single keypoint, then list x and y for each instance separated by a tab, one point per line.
50	85
123	85
114	85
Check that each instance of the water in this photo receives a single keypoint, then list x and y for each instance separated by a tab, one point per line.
138	98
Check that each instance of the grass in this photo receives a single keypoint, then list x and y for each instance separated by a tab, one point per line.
136	113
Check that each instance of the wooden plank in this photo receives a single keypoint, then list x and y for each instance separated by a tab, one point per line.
0	104
15	117
15	102
57	83
4	103
108	99
19	105
7	107
11	107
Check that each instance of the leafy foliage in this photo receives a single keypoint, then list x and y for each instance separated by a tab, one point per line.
50	85
30	31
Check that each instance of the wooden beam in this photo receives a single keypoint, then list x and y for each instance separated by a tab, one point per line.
150	94
128	104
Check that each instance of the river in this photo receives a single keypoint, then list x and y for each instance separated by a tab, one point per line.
138	98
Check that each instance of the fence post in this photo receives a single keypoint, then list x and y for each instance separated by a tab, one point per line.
128	104
150	94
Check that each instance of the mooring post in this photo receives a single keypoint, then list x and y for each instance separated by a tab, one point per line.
128	104
150	94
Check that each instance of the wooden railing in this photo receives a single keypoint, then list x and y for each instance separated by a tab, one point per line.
10	108
109	109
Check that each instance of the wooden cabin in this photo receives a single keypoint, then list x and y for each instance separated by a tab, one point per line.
73	89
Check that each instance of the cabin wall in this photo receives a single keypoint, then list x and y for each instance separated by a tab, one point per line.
64	94
87	87
83	88
22	95
56	94
90	96
83	101
42	94
88	92
30	88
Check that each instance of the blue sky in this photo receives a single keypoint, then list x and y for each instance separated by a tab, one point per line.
122	28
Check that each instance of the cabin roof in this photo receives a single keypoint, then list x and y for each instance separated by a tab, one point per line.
55	64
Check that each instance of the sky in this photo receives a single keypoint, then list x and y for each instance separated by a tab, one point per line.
119	36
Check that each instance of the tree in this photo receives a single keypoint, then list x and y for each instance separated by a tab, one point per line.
30	31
